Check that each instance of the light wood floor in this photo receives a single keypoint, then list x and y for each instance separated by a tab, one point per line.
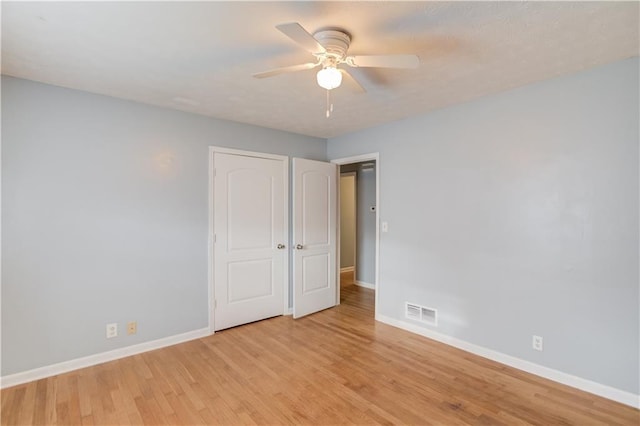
337	366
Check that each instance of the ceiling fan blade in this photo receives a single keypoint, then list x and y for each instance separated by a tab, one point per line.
295	32
348	76
292	68
384	61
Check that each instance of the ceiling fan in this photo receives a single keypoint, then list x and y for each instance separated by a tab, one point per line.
330	48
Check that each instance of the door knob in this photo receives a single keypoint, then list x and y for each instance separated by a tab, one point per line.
298	246
280	246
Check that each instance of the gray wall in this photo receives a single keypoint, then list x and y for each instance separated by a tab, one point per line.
347	220
366	228
517	214
105	219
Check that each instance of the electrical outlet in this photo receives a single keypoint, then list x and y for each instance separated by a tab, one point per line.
112	330
132	327
537	343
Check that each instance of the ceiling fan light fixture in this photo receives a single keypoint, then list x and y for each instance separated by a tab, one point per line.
329	78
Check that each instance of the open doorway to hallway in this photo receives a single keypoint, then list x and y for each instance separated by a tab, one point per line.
358	225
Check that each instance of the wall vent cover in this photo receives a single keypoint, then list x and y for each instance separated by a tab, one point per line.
413	311
421	313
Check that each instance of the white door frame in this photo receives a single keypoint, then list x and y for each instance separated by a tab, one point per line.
374	156
210	258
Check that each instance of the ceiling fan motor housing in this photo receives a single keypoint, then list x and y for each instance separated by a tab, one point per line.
335	42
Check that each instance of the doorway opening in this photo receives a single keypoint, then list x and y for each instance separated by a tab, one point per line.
358	231
348	222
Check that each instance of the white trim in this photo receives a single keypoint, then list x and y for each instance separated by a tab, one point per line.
210	271
347	269
88	361
595	388
210	259
374	156
364	284
287	237
356	158
339	235
232	151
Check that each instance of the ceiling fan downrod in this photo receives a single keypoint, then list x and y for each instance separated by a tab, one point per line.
329	104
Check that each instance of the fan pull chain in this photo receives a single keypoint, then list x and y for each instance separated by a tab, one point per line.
329	104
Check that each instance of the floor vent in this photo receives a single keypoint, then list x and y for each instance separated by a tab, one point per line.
421	313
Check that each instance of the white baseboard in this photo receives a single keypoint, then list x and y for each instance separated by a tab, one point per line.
347	269
599	389
364	284
88	361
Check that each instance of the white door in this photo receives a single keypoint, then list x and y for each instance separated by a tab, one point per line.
314	236
250	233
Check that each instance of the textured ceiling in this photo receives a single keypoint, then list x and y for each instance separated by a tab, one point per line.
199	57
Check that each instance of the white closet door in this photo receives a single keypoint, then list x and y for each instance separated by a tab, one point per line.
314	236
250	236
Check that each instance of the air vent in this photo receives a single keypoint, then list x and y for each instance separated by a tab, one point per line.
421	313
413	311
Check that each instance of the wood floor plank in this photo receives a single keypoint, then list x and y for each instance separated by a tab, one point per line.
86	420
338	366
12	408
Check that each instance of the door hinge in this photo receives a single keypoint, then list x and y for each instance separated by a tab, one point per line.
215	303
214	172
215	238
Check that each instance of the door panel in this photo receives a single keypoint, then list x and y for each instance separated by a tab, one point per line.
250	215
315	235
315	272
249	224
315	191
257	272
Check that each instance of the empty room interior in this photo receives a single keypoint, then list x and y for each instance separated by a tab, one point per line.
313	212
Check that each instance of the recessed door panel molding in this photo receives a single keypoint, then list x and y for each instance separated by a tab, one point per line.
250	213
249	268
314	236
258	272
315	273
316	189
